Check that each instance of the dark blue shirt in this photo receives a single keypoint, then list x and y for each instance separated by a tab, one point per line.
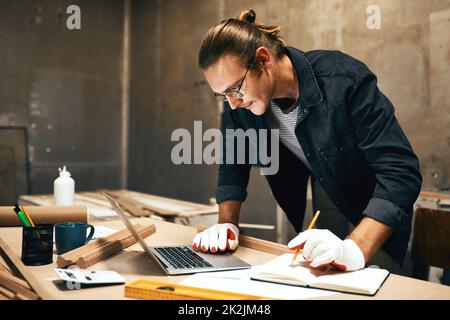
352	141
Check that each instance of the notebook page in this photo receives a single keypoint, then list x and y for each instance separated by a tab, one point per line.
280	268
240	281
364	281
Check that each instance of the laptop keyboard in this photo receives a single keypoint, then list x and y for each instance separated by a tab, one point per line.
182	258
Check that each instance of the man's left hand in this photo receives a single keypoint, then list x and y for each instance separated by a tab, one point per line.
321	247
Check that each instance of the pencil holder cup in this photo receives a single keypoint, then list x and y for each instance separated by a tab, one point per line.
37	245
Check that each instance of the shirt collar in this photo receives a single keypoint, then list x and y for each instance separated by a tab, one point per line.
310	93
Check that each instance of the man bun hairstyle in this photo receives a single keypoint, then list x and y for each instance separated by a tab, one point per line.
239	36
247	15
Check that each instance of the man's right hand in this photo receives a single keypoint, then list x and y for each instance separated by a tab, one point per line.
221	236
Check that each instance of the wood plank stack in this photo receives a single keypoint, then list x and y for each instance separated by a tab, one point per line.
100	249
19	288
140	204
14	288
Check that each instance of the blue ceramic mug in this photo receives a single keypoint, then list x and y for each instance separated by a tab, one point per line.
71	235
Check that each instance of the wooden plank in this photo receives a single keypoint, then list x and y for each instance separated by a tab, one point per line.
169	201
184	208
258	244
8	282
6	294
431	246
17	280
444	202
264	245
133	207
92	253
117	246
4	268
436	195
71	257
136	203
73	254
15	261
136	208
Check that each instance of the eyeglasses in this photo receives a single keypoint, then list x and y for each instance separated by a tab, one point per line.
232	93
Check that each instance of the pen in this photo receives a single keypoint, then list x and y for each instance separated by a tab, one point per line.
22	217
311	225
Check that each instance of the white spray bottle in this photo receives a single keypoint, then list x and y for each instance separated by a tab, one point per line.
64	189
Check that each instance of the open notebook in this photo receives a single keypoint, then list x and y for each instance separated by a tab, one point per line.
279	270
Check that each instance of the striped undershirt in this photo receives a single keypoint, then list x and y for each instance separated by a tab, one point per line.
286	121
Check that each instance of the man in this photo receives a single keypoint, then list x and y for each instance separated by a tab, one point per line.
335	125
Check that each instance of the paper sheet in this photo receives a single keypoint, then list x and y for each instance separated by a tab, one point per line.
101	232
89	277
239	281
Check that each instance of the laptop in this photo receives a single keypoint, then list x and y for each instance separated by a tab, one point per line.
181	259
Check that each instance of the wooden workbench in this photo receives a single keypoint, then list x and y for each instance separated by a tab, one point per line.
132	264
168	209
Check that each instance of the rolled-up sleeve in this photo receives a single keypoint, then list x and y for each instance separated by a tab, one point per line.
233	178
386	149
230	192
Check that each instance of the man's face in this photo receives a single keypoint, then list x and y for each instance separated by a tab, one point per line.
257	88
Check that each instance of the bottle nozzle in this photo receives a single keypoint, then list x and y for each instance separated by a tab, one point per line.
63	171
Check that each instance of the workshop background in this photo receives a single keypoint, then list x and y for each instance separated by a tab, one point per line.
104	99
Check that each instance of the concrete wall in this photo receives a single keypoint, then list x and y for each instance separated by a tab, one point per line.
64	86
410	54
168	91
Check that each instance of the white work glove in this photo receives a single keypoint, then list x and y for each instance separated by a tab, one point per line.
322	247
221	236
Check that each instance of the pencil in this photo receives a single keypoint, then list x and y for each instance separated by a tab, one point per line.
311	225
28	216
